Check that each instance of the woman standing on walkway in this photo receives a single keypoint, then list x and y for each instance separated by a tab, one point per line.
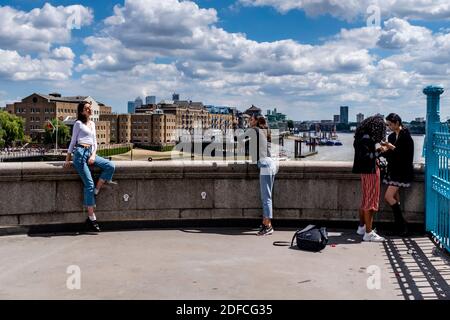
367	145
399	152
267	171
84	148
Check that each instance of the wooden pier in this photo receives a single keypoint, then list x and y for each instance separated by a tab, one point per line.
298	148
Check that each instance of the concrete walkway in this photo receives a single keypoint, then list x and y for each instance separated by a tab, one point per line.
217	264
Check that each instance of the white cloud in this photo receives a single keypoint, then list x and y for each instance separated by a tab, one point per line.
215	65
27	41
207	63
110	54
38	29
16	67
419	50
341	9
387	76
353	9
398	34
63	53
144	29
163	19
363	38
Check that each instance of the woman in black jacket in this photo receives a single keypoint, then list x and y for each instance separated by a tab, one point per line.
368	137
399	152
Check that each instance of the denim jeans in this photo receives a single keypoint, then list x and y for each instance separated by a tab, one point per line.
268	169
80	162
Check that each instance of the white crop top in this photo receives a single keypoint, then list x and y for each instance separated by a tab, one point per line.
83	134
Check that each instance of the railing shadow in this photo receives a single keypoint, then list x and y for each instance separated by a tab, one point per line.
421	270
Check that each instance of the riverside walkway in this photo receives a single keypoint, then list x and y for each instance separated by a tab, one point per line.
222	263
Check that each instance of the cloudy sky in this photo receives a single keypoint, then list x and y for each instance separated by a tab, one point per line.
305	57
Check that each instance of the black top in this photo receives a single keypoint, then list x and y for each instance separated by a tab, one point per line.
400	160
365	155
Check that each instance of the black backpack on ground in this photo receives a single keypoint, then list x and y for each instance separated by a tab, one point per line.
312	238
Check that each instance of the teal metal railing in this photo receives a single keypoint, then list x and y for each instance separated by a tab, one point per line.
437	166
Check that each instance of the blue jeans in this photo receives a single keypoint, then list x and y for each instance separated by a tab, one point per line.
268	169
80	162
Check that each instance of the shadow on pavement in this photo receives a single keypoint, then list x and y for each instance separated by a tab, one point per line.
420	268
336	237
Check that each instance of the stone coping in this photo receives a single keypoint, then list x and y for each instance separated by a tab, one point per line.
45	171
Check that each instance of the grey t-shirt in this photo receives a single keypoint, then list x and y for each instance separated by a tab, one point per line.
260	147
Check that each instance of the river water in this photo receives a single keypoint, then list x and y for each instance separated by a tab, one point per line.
346	151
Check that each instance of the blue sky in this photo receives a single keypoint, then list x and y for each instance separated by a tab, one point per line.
304	58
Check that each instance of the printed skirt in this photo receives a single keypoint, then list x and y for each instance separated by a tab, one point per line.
370	183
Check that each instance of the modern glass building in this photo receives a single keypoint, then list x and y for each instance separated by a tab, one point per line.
150	100
131	108
344	114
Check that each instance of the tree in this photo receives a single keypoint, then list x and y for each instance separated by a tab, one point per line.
63	133
290	124
2	141
11	129
27	139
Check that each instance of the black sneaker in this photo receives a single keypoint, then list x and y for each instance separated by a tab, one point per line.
93	225
265	231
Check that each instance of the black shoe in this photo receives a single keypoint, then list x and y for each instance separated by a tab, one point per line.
92	225
403	231
265	231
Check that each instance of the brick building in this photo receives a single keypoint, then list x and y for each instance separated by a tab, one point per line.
37	109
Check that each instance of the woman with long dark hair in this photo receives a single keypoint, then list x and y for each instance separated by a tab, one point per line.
268	170
84	148
399	152
368	137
